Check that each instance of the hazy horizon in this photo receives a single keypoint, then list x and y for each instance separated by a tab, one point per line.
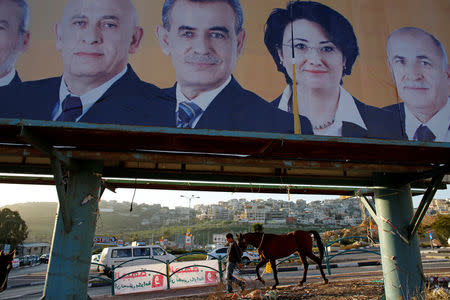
15	193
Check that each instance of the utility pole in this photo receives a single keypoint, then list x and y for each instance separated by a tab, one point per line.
189	209
188	241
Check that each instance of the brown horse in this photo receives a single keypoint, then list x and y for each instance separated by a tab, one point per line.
5	267
271	247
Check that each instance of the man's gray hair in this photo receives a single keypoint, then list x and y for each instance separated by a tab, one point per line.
24	15
235	5
433	38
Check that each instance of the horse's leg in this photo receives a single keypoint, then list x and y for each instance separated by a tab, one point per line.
318	261
273	264
305	267
261	263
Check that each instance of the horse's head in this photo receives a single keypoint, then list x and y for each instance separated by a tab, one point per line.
5	267
242	241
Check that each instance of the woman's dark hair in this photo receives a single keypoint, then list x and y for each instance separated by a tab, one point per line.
336	26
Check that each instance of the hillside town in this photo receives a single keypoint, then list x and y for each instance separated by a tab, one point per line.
271	212
331	213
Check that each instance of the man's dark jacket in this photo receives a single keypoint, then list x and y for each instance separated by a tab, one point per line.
399	111
234	254
129	101
235	108
16	79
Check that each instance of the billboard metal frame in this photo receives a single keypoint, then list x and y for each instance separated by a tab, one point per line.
79	156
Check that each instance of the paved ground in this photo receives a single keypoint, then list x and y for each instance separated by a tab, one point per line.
28	283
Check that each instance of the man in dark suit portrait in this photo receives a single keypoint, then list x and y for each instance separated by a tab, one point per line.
95	39
419	67
204	40
14	37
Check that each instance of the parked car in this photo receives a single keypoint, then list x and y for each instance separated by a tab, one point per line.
118	255
44	258
95	259
33	259
247	256
26	260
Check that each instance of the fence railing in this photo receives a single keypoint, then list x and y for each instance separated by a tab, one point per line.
328	257
109	271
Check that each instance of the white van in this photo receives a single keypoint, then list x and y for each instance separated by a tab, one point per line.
117	255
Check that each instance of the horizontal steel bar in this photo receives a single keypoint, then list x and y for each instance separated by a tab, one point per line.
202	186
210	132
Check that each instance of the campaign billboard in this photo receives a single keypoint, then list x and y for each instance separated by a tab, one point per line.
353	68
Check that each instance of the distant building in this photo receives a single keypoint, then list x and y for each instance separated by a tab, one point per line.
255	213
291	220
33	249
219	212
439	206
219	238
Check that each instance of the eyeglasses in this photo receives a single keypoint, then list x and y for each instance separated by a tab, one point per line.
302	49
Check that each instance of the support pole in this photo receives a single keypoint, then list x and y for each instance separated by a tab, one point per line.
424	204
370	208
402	265
70	258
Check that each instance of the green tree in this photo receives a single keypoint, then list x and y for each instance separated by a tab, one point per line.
13	229
442	228
258	227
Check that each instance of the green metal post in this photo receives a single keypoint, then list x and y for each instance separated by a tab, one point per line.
113	280
168	274
70	258
402	265
220	269
327	259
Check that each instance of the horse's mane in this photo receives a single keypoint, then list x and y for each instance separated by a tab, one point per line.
253	238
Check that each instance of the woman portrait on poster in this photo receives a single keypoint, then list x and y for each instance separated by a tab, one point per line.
324	47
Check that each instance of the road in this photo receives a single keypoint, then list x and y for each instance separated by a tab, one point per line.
28	283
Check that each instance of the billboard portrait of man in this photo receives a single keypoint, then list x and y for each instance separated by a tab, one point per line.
204	39
419	67
14	37
95	39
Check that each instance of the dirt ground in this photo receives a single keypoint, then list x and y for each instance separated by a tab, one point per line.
334	290
348	289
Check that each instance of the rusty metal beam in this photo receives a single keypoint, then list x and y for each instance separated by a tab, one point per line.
40	144
84	136
209	159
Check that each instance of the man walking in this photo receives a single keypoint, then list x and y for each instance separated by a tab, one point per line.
234	254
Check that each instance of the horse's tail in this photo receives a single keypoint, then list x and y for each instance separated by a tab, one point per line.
319	243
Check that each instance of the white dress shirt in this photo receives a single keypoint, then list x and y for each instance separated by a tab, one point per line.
439	124
203	100
346	111
87	99
5	80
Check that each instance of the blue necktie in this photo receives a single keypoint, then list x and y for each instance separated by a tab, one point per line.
424	134
71	109
187	113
